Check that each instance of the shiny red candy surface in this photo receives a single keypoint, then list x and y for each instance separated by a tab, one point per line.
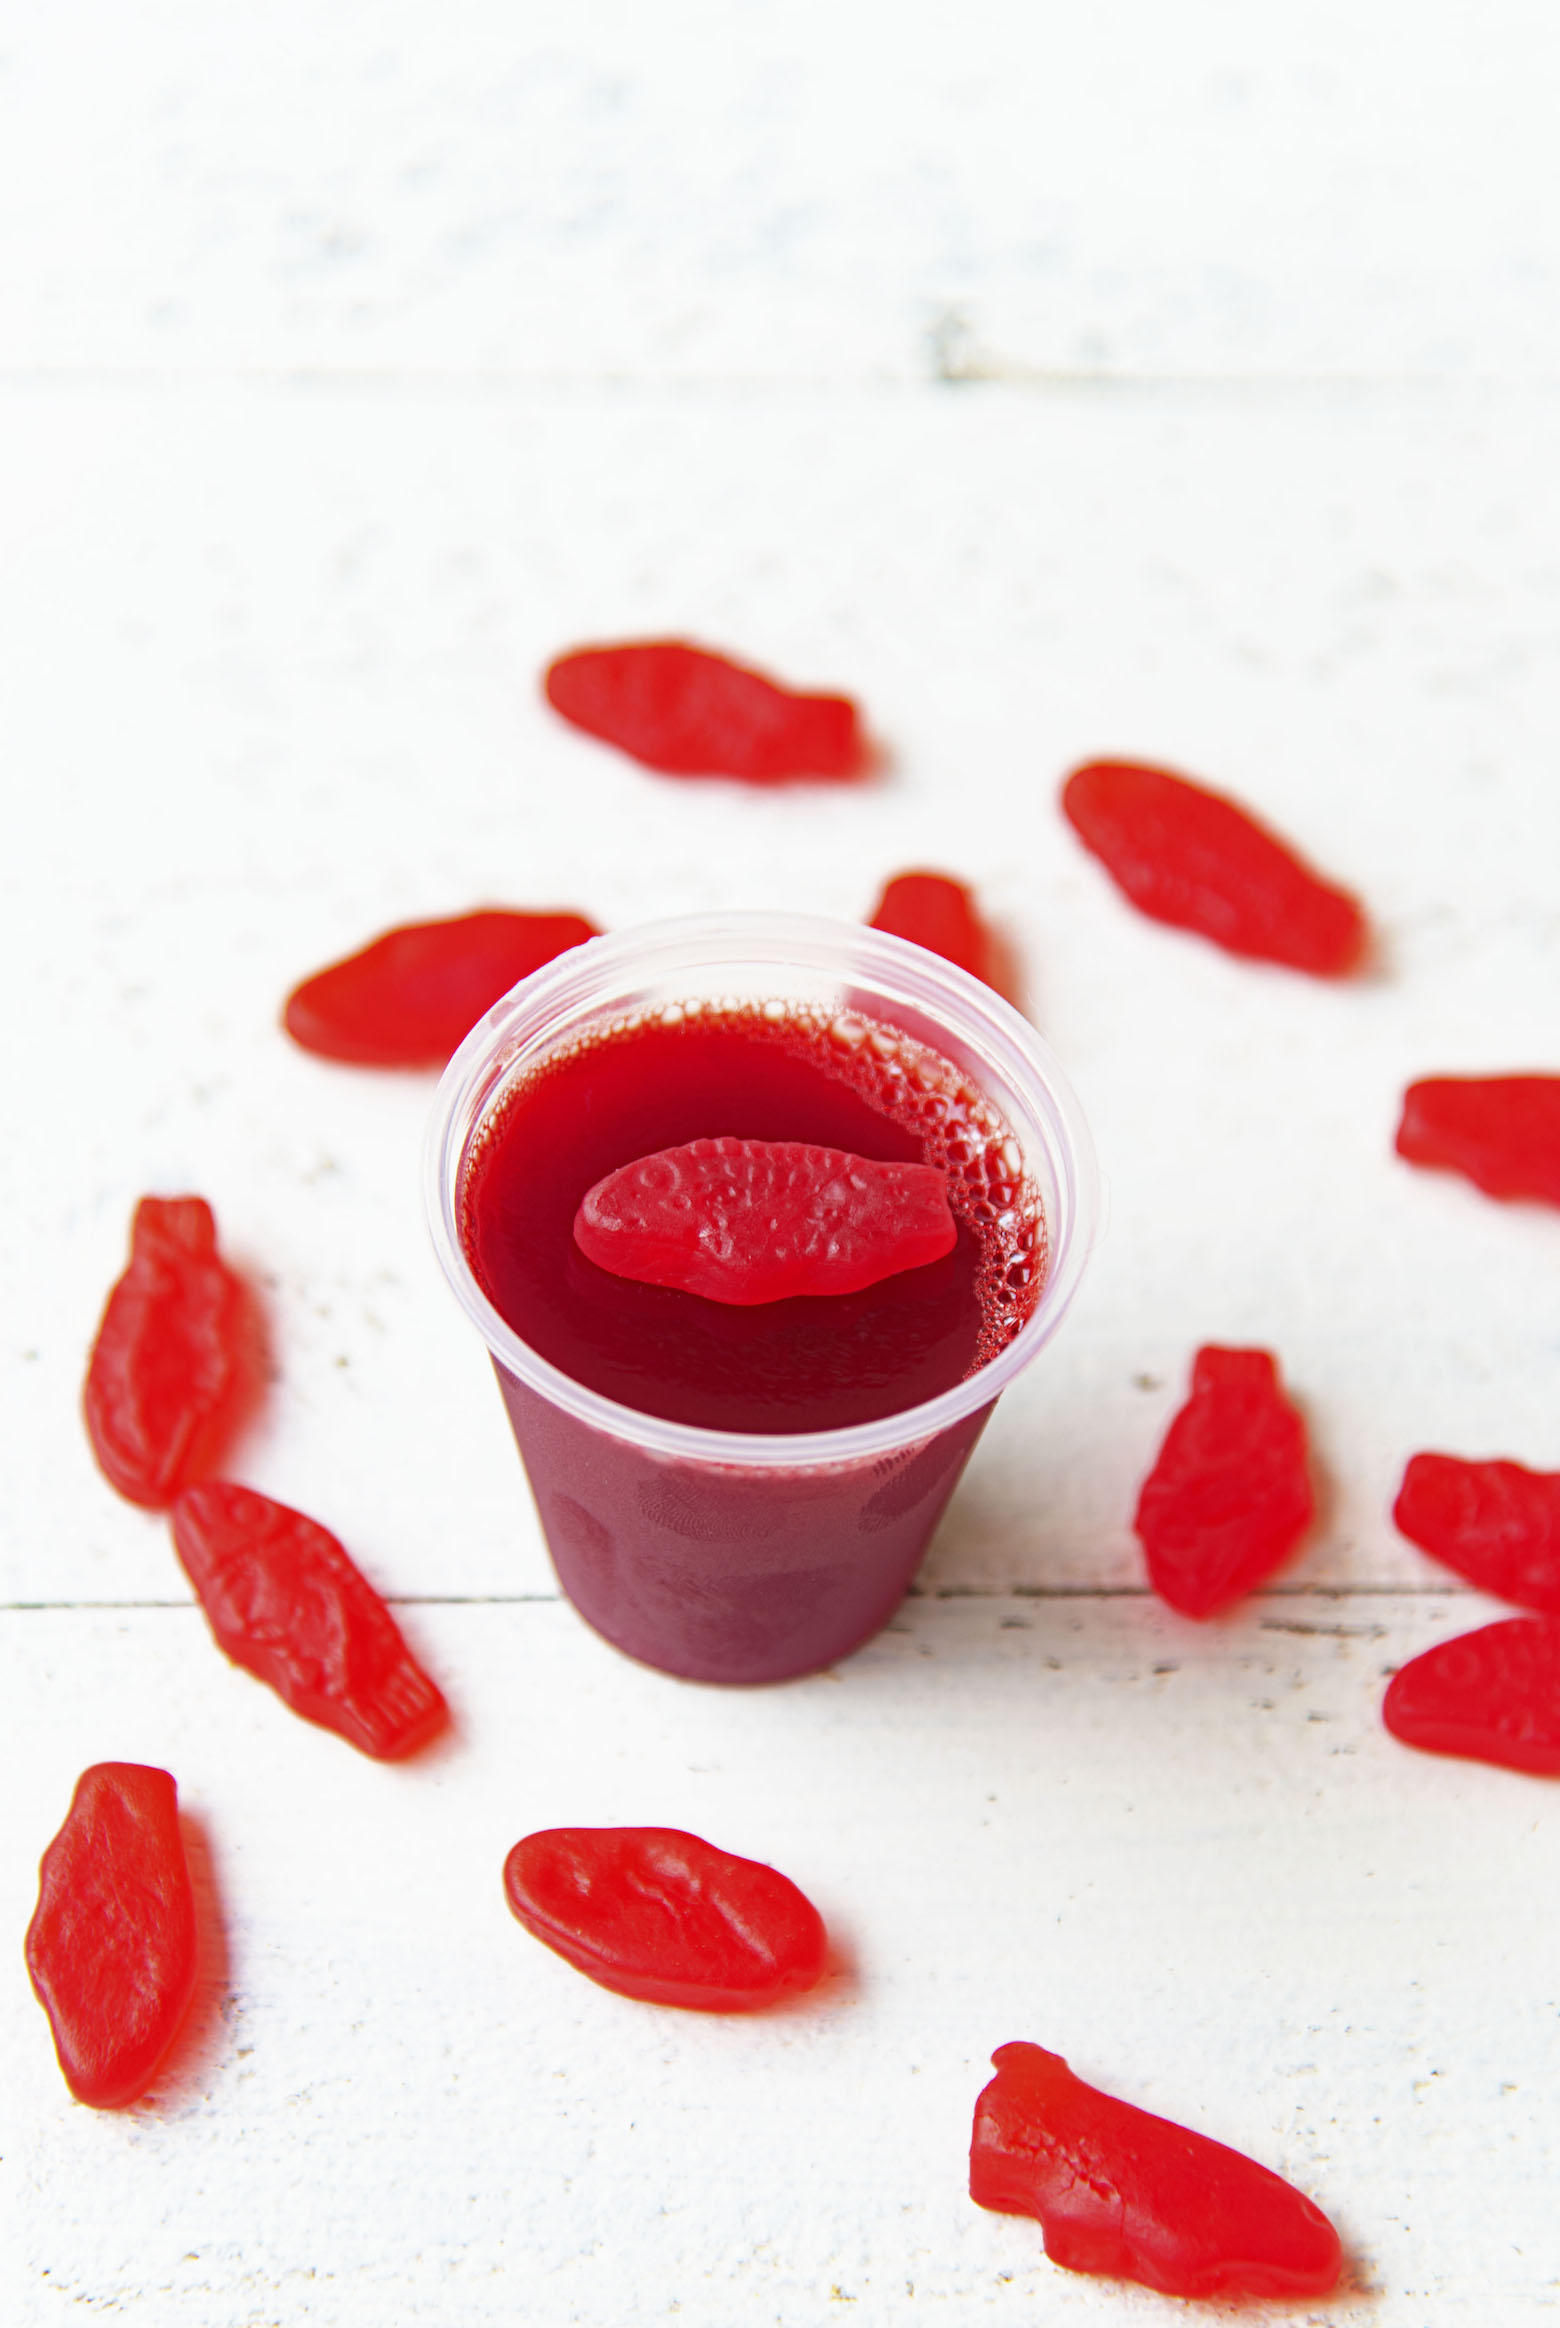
287	1603
1127	2195
174	1359
1489	1696
936	912
1229	1496
687	712
112	1948
750	1221
660	1915
409	998
1496	1523
1191	857
806	1364
1502	1132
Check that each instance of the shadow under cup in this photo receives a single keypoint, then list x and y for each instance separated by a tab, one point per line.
745	1556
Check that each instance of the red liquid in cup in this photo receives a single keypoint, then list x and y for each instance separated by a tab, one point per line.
723	1571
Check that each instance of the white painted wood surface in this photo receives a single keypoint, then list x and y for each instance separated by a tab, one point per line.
352	361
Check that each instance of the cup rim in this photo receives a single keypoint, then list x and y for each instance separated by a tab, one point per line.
980	1017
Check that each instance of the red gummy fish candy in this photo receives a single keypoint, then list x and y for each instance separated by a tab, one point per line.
748	1221
1131	2196
687	712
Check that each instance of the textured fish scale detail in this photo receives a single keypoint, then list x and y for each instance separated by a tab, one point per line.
1122	2193
166	1368
749	1221
1229	1496
1496	1523
287	1602
1491	1696
112	1947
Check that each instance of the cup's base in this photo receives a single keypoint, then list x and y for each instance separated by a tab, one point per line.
720	1573
759	1676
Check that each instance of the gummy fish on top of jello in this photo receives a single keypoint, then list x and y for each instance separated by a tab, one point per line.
757	1215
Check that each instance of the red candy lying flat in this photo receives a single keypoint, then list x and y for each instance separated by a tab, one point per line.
1229	1496
172	1364
940	914
111	1948
1502	1132
1131	2196
410	998
1496	1523
746	1221
1191	857
1490	1696
286	1602
657	1914
687	712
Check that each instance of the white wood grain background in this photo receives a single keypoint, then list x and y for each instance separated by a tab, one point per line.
1183	383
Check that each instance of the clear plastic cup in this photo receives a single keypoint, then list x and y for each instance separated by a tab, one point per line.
753	1556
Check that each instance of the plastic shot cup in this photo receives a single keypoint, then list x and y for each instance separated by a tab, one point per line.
751	1556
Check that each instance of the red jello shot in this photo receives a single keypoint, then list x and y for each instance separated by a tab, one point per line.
742	1491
